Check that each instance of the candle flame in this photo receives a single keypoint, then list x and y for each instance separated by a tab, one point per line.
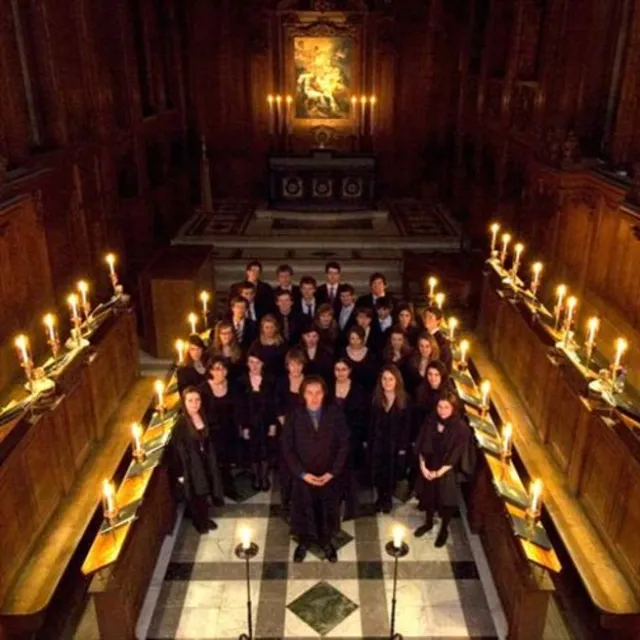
519	248
494	228
373	99
110	259
506	238
204	297
278	98
21	341
464	346
363	99
158	386
289	99
485	387
136	430
561	290
83	287
49	320
453	323
621	345
593	324
398	535
439	299
432	281
354	99
536	267
73	299
245	537
270	99
107	488
572	302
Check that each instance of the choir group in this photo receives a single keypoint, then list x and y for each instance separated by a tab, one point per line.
328	390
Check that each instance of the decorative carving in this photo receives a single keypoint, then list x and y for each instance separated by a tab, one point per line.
323	29
323	5
586	197
324	137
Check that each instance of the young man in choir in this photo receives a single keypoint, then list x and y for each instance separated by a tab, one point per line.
329	292
246	329
284	277
347	315
263	295
287	317
383	322
247	290
432	320
315	445
378	289
364	319
308	302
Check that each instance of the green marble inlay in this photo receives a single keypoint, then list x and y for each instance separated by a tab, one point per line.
322	607
341	539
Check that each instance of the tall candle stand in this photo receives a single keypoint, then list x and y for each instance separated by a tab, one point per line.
396	549
246	551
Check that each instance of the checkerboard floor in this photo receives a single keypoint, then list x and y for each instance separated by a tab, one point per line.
204	592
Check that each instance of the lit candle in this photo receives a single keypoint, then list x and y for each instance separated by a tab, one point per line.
83	288
398	536
271	115
363	114
464	348
372	102
439	298
193	321
494	228
22	343
507	439
485	389
432	286
519	248
289	121
111	261
536	496
73	301
453	324
180	347
536	269
621	346
279	112
506	239
245	538
571	306
136	432
354	114
561	292
204	298
159	389
593	325
108	493
50	322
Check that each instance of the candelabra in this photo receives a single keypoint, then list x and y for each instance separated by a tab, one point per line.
397	549
247	550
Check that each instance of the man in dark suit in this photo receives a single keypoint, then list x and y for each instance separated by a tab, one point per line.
247	290
346	317
383	322
246	329
308	303
284	277
378	289
263	297
432	317
315	445
329	292
288	318
364	319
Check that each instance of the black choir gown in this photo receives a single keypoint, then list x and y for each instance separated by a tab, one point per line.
321	365
365	371
259	409
356	409
315	513
188	376
272	355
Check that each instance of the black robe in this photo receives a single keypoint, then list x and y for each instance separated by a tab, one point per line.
321	365
322	296
356	409
315	511
365	371
445	349
272	355
295	326
258	414
187	376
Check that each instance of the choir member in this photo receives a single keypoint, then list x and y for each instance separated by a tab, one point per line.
377	289
444	448
192	443
308	302
427	351
383	322
284	277
315	445
193	372
347	313
352	399
245	328
364	319
225	346
259	427
363	363
327	327
432	321
271	346
319	360
247	290
222	404
397	351
390	425
289	320
263	295
435	384
408	323
329	292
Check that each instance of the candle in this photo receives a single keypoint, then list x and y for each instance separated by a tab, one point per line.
73	300
204	298
536	269
289	121
621	346
519	248
22	343
561	291
571	306
354	115
432	286
485	389
136	432
439	298
180	348
372	102
398	535
535	503
507	439
453	323
494	228
50	322
506	239
245	538
464	348
279	112
592	326
271	115
159	389
193	321
108	493
83	288
363	114
111	261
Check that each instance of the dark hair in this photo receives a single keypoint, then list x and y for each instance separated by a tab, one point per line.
255	352
358	330
285	268
295	354
383	302
435	311
216	345
435	349
253	263
190	389
365	311
405	306
347	288
283	292
450	397
377	276
344	361
401	394
388	349
332	265
309	380
308	280
195	340
441	368
214	360
238	300
310	327
245	284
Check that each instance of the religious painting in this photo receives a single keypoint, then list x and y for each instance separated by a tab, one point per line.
323	77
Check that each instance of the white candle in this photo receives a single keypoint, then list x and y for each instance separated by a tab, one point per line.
279	113
536	269
519	248
593	325
22	343
245	538
204	298
464	348
439	298
453	323
506	239
354	114
136	432
485	389
363	115
507	436
159	389
193	321
289	122
271	115
398	536
50	322
571	306
432	286
111	261
536	495
83	288
621	347
372	101
180	347
109	496
495	227
73	300
561	291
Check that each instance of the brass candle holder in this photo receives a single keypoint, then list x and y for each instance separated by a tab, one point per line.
139	454
534	509
506	442
109	502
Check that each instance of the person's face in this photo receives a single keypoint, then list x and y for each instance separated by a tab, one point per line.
388	381
333	276
397	341
377	287
226	336
284	304
255	365
445	409
295	367
424	347
284	279
313	396
430	321
218	373
355	341
404	318
239	310
434	378
341	371
325	318
195	352
363	320
383	313
248	294
346	298
253	274
311	339
307	290
269	330
192	403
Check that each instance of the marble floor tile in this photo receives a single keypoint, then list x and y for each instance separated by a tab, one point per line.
198	623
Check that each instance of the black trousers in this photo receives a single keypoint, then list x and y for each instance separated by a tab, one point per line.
199	510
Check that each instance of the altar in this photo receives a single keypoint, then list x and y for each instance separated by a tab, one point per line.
322	180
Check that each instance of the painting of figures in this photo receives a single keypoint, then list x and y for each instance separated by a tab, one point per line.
324	77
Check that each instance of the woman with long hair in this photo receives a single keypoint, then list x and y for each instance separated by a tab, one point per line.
193	372
398	351
390	426
408	323
193	445
364	366
270	345
225	345
427	350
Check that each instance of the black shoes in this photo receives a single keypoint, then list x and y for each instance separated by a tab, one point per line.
300	553
330	553
442	538
266	483
422	530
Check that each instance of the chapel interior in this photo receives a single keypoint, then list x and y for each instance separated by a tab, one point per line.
479	158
